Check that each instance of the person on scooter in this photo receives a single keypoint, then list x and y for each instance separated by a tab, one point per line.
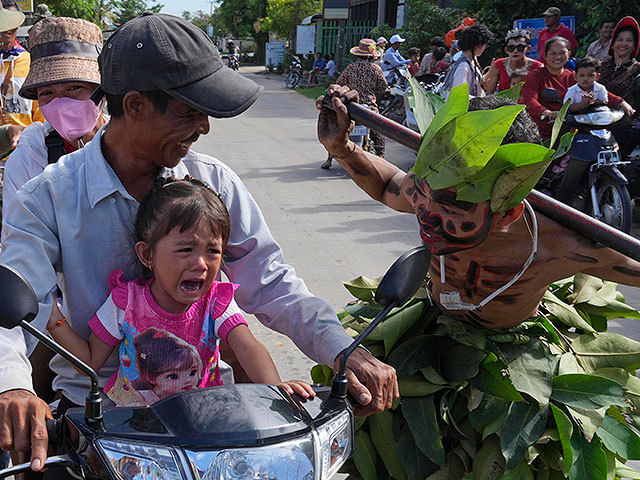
617	75
62	84
171	319
480	249
554	75
367	79
76	218
517	45
392	58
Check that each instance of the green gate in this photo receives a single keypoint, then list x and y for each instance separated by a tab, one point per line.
328	36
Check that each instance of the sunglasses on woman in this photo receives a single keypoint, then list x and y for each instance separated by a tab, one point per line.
520	47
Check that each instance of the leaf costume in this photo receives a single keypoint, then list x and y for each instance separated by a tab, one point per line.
551	398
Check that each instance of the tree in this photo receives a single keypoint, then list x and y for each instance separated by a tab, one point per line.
72	8
284	15
126	10
203	20
242	19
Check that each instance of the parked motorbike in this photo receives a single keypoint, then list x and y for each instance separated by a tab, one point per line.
234	63
242	431
392	103
295	74
589	178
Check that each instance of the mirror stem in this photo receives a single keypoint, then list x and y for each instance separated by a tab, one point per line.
93	404
340	383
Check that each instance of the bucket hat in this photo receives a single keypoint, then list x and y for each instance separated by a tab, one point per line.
62	50
626	22
10	19
366	48
157	51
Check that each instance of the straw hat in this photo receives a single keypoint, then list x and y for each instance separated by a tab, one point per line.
366	48
62	50
10	19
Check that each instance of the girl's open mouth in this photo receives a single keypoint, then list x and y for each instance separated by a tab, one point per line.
191	285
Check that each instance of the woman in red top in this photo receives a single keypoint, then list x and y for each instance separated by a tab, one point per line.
518	44
554	75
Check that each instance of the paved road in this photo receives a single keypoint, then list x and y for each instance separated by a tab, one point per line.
329	229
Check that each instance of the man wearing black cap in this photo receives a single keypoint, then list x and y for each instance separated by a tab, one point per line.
162	77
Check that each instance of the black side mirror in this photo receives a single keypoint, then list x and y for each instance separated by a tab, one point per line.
404	277
551	94
18	301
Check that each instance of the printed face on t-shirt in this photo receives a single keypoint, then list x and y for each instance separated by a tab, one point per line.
176	381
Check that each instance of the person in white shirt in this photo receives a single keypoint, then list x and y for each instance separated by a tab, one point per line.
330	66
587	91
392	58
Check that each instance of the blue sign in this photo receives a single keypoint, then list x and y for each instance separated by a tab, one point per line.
535	25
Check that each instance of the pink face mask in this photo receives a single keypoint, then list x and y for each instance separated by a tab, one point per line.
71	118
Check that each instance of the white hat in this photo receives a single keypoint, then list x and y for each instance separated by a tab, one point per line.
381	40
395	39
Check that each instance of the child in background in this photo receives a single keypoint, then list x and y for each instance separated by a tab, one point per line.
587	91
169	323
516	77
414	56
437	64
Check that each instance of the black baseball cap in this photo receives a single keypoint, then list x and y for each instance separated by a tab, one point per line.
157	51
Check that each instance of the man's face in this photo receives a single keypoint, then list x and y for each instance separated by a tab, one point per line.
551	20
165	138
448	225
607	30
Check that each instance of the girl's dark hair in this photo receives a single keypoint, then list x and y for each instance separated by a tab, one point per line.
553	40
413	51
470	37
180	203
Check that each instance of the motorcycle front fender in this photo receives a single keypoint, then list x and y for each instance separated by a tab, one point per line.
615	174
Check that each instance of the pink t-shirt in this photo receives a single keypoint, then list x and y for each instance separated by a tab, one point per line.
154	343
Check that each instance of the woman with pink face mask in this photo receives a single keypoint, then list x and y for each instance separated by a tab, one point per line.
64	73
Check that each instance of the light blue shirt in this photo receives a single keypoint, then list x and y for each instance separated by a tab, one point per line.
393	59
76	219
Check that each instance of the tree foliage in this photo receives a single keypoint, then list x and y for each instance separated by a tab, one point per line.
126	10
242	19
284	15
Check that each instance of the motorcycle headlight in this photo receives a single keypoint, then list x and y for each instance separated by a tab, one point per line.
286	461
336	444
130	460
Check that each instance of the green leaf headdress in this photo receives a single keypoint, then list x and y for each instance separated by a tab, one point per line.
463	149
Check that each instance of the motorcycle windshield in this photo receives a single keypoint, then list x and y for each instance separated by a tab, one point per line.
225	416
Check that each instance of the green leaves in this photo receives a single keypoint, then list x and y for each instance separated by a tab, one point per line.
514	185
619	438
531	369
362	288
420	414
524	425
424	108
364	456
565	430
586	391
493	378
590	461
607	350
381	429
462	147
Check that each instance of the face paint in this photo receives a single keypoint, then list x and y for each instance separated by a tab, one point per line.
448	225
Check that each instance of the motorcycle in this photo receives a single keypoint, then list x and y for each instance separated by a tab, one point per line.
295	74
392	104
244	431
234	64
589	177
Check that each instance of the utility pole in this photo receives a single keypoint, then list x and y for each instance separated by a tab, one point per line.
211	2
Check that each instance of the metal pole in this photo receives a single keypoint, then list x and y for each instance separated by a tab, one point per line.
342	29
563	214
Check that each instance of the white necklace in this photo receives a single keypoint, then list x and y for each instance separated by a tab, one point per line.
452	300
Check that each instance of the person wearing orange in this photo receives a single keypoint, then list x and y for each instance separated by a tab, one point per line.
16	109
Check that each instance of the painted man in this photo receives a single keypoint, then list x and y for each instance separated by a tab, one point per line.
483	250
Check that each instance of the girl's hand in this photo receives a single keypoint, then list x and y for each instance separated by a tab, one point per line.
299	387
56	314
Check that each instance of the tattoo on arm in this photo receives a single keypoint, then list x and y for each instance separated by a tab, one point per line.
576	257
627	271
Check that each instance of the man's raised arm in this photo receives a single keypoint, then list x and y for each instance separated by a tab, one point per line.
380	179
